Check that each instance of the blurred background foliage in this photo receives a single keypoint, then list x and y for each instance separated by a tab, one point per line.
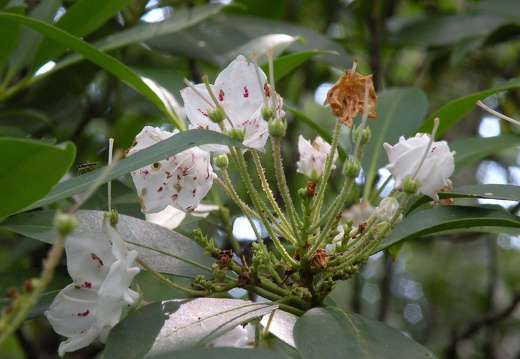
456	294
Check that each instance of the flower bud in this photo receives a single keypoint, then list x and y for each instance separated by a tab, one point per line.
236	134
410	186
387	209
268	113
277	127
64	223
312	157
351	169
215	115
222	161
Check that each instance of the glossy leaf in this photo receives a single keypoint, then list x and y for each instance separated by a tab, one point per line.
448	29
83	17
101	59
487	191
285	64
332	333
21	164
209	41
162	249
399	110
453	111
178	21
473	149
281	324
160	151
235	353
29	40
446	218
9	34
17	278
173	325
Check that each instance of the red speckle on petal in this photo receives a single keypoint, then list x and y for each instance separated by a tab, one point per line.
434	148
202	112
96	258
194	192
84	314
87	285
174	197
246	92
160	189
221	95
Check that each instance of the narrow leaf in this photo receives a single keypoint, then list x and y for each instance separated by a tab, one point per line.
158	152
453	111
473	149
162	249
173	325
79	20
446	218
332	333
101	59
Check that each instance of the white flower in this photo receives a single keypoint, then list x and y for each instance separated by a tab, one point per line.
239	337
180	181
387	209
434	172
102	269
312	157
241	94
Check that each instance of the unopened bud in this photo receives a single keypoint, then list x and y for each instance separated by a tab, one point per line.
277	127
64	223
222	161
215	115
410	186
351	169
237	134
268	113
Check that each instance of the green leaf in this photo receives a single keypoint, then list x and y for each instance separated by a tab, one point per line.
17	278
332	333
178	21
101	59
79	20
22	163
162	249
29	40
446	218
277	43
173	325
503	192
227	33
453	111
448	29
285	64
399	111
169	147
9	34
473	149
235	353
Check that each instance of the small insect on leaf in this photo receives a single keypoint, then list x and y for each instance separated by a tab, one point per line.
86	167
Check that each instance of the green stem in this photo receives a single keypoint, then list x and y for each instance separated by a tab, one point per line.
318	200
282	185
168	282
28	302
284	224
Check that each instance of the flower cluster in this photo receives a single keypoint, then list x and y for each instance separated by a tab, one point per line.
102	269
312	157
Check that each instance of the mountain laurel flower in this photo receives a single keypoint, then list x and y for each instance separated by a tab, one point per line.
240	93
433	174
180	181
312	157
102	269
387	209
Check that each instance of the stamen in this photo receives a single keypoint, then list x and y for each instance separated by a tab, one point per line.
109	186
498	114
257	72
365	111
354	65
428	147
197	92
271	79
214	98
